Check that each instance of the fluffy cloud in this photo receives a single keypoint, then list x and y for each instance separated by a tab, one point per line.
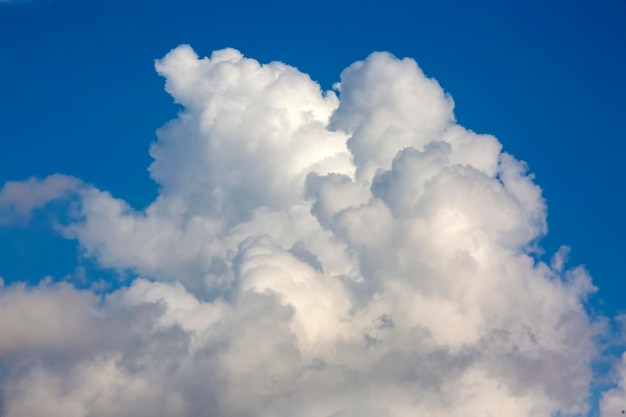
308	255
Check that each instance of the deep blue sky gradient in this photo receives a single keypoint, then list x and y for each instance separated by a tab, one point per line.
79	95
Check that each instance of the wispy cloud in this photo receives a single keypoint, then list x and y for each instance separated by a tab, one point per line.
18	199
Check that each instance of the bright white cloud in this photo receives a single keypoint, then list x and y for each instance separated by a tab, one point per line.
308	255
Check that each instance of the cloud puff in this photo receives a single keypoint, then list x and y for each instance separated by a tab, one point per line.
308	255
18	199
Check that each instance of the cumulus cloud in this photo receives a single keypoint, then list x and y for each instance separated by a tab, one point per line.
309	254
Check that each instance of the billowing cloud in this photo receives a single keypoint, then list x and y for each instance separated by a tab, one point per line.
309	254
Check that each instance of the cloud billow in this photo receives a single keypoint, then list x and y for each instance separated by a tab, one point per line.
310	254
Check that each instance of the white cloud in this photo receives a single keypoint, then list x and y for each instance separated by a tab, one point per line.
18	199
308	255
614	400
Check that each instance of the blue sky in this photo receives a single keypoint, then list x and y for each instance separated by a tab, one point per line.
79	96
